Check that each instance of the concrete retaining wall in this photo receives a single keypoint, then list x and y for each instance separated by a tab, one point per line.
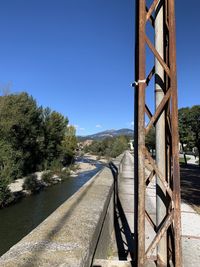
69	236
104	245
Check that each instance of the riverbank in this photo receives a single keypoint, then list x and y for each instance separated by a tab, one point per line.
21	218
83	164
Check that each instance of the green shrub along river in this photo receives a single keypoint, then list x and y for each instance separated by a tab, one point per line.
32	138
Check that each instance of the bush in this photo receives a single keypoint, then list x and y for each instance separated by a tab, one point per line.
56	166
74	167
47	177
110	147
5	194
10	162
64	175
98	157
68	157
31	183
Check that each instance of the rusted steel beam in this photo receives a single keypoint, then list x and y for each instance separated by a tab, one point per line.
156	54
175	137
151	9
148	112
159	173
150	177
166	15
150	75
159	111
159	234
140	75
168	177
151	19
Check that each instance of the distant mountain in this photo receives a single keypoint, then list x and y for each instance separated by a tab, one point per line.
105	134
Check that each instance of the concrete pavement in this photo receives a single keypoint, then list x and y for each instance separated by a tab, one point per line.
125	251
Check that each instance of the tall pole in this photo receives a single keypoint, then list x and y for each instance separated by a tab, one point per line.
175	139
139	168
160	131
166	243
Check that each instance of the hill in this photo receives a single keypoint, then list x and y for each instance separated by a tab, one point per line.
107	133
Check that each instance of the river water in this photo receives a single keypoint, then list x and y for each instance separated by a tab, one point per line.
19	219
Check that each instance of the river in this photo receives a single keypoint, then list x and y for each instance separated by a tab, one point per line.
19	219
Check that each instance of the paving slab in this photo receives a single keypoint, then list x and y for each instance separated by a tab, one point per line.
190	236
191	252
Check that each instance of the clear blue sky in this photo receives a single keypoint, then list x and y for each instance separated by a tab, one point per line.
76	56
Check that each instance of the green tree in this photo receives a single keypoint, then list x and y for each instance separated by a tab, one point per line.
96	147
111	147
151	139
54	128
194	123
184	129
31	138
189	127
69	145
10	162
20	121
119	145
70	140
5	195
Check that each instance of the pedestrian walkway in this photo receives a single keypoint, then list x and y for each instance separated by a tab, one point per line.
124	223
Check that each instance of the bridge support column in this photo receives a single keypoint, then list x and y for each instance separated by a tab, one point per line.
166	242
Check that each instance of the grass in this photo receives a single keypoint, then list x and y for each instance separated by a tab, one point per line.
182	160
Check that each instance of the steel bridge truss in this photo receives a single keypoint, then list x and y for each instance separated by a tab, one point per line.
147	169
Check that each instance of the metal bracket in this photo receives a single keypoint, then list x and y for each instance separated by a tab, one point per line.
138	82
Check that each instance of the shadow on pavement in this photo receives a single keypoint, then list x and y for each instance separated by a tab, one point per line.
124	237
190	185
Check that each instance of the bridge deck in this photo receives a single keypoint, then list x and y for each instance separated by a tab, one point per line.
71	235
123	245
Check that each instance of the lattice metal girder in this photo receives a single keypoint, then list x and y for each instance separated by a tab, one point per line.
170	178
158	111
151	9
